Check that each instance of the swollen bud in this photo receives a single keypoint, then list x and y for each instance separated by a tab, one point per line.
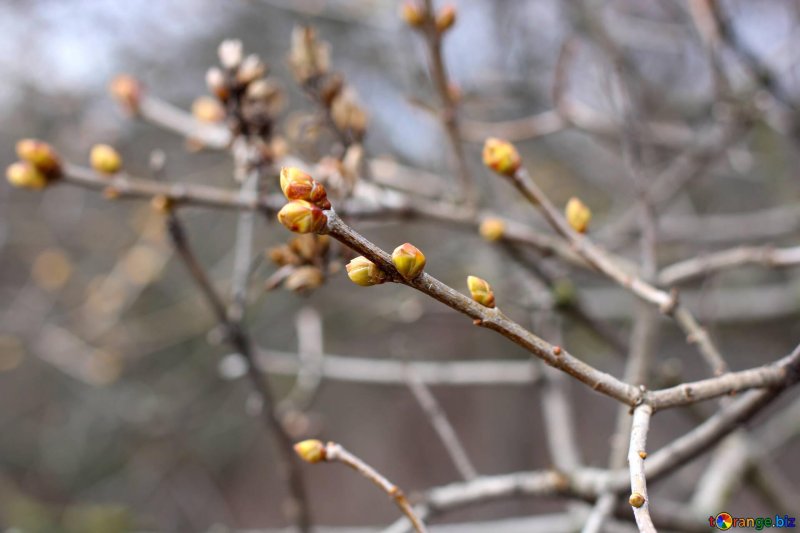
301	216
578	215
364	272
480	291
105	159
310	451
127	91
501	156
492	229
39	154
25	175
412	13
297	185
636	500
445	18
408	260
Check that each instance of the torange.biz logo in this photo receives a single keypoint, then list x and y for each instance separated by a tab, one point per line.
725	521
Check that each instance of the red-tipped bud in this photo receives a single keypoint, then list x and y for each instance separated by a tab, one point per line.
446	18
364	272
578	215
310	451
297	185
408	260
301	216
105	159
25	175
501	156
39	154
127	91
480	291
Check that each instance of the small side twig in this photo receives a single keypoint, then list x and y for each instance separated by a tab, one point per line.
314	451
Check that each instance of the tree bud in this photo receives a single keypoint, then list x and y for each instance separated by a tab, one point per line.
364	272
408	260
301	216
207	109
311	450
412	13
492	229
105	159
297	185
578	215
480	291
230	53
39	154
127	91
501	156
25	175
445	18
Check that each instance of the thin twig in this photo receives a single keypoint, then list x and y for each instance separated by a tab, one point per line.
438	419
449	112
336	453
238	339
603	261
636	457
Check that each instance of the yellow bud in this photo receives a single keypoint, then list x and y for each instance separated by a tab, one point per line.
105	159
297	185
481	291
446	18
412	13
207	109
127	91
39	154
501	156
364	272
578	215
636	500
492	229
311	450
301	216
408	260
24	175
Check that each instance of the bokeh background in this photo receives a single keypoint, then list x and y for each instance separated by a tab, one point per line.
118	414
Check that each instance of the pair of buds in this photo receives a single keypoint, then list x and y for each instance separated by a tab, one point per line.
407	259
308	199
39	165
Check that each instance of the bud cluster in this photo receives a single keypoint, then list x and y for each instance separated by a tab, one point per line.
309	61
242	92
306	257
38	165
